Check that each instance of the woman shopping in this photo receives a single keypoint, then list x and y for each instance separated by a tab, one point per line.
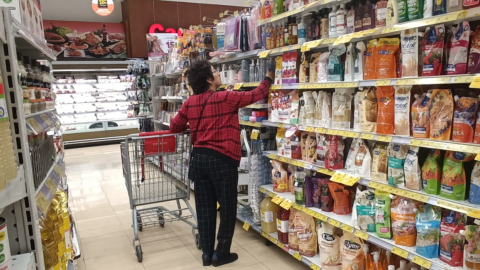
215	136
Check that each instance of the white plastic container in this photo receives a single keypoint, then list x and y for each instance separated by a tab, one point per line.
4	245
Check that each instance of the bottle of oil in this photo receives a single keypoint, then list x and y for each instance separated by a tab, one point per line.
268	211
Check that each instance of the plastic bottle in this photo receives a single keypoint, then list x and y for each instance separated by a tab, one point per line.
311	34
282	35
332	22
350	17
246	70
376	261
403	265
299	186
262	9
389	260
279	6
368	258
286	35
392	12
302	32
391	267
268	211
251	74
324	24
368	16
359	16
269	38
341	16
294	37
274	36
282	225
268	9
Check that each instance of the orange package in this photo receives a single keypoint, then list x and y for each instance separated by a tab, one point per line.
370	61
386	61
403	221
341	199
441	114
464	118
386	109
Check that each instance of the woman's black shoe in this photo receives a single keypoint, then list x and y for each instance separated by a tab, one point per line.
221	259
207	259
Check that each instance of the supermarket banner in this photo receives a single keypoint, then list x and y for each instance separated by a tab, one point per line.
159	44
81	40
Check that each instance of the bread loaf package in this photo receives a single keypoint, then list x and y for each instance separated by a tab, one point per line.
379	162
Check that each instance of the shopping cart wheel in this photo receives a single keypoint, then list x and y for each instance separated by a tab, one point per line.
198	242
139	253
161	220
139	221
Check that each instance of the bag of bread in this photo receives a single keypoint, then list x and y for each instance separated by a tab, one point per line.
413	173
362	160
341	199
421	116
441	114
379	162
454	182
357	110
369	70
369	110
342	107
326	121
409	53
335	147
280	139
309	146
329	244
320	155
386	109
292	233
306	234
279	177
402	110
432	173
352	252
350	161
464	118
403	221
396	160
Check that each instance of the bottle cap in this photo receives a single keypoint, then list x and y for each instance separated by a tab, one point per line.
376	256
391	267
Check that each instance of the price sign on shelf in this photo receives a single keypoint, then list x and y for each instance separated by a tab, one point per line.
237	86
320	130
462	79
277	199
361	234
334	222
263	54
262	190
286	204
280	245
475	82
297	256
320	216
347	228
474	214
264	234
400	252
382	83
422	262
367	136
42	203
254	134
314	266
246	226
384	138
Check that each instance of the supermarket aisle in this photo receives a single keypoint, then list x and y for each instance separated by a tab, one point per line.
99	201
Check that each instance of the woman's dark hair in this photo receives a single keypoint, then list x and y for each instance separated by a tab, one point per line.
198	74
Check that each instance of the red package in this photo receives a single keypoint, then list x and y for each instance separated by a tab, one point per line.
432	50
476	137
334	152
457	50
451	241
341	199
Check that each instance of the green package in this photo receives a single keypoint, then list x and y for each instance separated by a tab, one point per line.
382	214
415	9
402	11
431	173
454	180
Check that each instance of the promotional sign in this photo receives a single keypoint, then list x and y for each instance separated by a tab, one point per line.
102	7
159	44
81	40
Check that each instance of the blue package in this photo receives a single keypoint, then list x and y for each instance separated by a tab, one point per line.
246	117
474	194
428	230
260	119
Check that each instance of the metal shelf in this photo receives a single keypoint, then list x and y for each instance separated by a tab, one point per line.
102	102
23	262
40	113
66	114
91	122
15	190
57	159
25	40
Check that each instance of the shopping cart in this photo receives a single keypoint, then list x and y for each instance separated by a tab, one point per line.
155	170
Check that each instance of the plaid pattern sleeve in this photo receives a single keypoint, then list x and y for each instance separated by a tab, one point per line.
179	123
241	99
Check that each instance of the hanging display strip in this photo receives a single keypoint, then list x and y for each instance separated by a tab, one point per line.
46	191
248	123
40	122
344	222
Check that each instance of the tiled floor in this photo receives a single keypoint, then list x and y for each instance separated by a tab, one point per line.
100	205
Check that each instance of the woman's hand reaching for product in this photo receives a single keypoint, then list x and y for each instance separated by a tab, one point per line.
271	73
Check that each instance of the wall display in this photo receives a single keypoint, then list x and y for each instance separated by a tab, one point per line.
102	7
81	40
159	44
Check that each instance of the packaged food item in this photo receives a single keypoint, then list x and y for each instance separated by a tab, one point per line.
413	172
381	14
432	173
474	194
476	136
279	177
453	175
369	109
386	109
396	160
295	107
421	116
451	240
439	7
268	211
359	61
402	110
317	118
292	229
365	210
322	67
403	221
312	193
342	107
282	225
326	111
302	73
329	244
314	58
472	247
290	178
415	9
326	199
334	152
357	110
335	64
289	73
299	186
341	199
363	159
392	14
352	252
349	65
379	162
464	118
386	62
433	43
309	102
382	214
409	38
309	146
474	55
369	70
441	114
471	3
427	8
428	230
402	11
278	70
320	157
307	234
296	144
280	139
279	106
457	47
350	161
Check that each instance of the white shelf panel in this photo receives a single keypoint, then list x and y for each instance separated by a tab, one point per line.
15	190
23	262
30	41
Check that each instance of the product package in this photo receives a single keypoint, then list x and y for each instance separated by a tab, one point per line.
289	72
472	247
396	159
335	65
329	244
432	172
457	49
381	14
295	143
441	114
291	178
326	199
402	11
309	107
364	208
409	38
421	116
278	70
320	157
476	136
415	10
474	194
314	58
342	107
292	233
369	69
363	159
334	152
322	72
280	139
317	118
386	109
326	121
386	62
433	43
453	175
282	225
379	162
359	61
302	76
294	107
280	106
427	9
413	172
357	110
439	7
428	230
309	146
349	63
369	108
341	199
351	248
451	240
307	234
464	118
403	221
382	214
279	177
402	110
312	192
350	161
474	55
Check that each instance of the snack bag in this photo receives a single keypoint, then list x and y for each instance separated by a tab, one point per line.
307	235
402	110
432	50
415	10
386	63
421	116
428	230
290	177
349	66
441	114
280	139
396	159
432	173
457	47
279	177
352	252
472	247
474	55
326	121
329	244
474	194
293	241
326	199
369	71
379	162
314	58
365	210
363	159
294	107
413	173
349	163
369	108
386	109
451	241
464	118
342	107
476	136
409	52
322	67
341	199
334	152
296	145
382	214
453	177
320	157
357	110
335	65
309	146
403	221
402	11
317	118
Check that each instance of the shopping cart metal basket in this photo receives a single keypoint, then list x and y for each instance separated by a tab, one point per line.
155	168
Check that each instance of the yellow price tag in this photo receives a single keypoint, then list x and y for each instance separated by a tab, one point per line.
334	222
283	159
220	15
477	157
272	239
329	40
237	86
275	51
474	213
462	79
314	266
280	245
262	190
367	136
235	13
215	22
382	83
320	216
297	256
454	206
34	124
51	185
286	204
400	252
382	138
475	82
275	87
218	205
422	262
343	39
347	228
320	130
277	199
254	134
42	203
264	234
361	234
272	156
264	54
246	226
310	129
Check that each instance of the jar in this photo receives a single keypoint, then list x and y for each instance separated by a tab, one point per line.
27	107
34	107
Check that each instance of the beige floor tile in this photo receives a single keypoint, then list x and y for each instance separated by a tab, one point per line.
286	262
84	225
185	263
80	264
123	208
245	259
264	253
101	231
153	235
243	237
258	266
97	212
161	245
162	256
120	261
110	244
